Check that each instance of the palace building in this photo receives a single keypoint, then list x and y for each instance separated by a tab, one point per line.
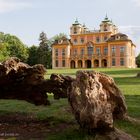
86	48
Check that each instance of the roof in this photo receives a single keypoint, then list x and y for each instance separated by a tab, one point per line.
118	37
76	22
62	41
106	20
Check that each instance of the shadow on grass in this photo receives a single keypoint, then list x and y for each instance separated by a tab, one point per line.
72	133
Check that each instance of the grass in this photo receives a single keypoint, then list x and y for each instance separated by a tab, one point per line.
60	112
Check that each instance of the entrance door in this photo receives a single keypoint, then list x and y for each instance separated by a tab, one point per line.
72	64
96	63
88	63
80	64
104	63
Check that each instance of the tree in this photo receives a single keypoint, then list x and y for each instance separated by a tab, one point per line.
32	59
12	46
44	51
138	60
4	54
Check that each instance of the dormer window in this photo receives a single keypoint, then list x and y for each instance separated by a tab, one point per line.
60	41
117	37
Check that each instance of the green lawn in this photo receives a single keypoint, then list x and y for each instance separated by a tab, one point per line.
59	111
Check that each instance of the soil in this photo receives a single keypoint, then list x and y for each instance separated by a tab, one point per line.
23	127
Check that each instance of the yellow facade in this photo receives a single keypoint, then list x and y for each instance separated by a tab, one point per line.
86	48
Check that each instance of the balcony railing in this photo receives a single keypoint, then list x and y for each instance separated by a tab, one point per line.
87	56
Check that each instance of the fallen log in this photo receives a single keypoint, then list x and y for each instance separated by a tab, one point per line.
23	82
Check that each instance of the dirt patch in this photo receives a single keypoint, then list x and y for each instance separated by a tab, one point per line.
23	127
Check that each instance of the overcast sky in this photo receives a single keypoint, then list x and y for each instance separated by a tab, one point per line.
27	18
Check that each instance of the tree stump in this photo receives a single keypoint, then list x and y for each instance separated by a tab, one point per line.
96	101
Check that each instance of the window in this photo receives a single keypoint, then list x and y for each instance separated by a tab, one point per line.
63	52
97	39
56	52
117	37
113	61
113	50
122	50
98	51
75	52
105	27
75	41
90	49
82	40
121	61
63	63
105	51
82	51
56	63
75	30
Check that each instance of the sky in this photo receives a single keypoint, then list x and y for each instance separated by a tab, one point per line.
28	18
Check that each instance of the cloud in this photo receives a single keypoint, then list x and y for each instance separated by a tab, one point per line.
133	33
136	2
12	5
